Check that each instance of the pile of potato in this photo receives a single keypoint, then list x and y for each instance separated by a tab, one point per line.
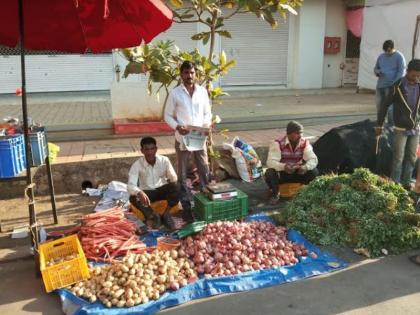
138	279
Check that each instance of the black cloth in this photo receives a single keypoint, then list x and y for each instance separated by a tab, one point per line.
347	147
273	178
169	192
402	112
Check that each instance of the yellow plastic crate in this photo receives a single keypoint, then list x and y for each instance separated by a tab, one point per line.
288	190
158	207
65	273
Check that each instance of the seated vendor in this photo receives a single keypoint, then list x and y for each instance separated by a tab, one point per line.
291	159
151	178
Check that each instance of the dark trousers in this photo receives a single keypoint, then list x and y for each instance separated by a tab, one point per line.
201	161
273	178
169	192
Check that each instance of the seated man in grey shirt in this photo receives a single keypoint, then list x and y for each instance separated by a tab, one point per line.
153	178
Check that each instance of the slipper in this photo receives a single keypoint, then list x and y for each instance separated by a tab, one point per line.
273	201
415	259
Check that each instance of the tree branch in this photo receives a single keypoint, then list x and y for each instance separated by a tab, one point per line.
232	14
186	21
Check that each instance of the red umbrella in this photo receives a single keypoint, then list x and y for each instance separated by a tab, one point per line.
76	26
79	25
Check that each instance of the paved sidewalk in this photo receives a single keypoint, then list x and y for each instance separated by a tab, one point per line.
128	147
62	111
241	111
255	116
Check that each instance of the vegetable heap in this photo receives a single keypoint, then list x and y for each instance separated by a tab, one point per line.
228	248
362	210
138	279
107	234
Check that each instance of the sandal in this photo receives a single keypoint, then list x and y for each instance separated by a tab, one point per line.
273	201
169	222
415	259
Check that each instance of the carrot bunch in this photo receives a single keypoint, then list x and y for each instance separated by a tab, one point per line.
108	234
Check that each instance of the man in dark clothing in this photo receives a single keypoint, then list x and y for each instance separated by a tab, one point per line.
406	102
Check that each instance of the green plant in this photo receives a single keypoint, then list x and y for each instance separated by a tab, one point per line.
161	60
361	210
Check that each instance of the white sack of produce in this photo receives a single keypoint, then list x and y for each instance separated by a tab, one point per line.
247	161
115	194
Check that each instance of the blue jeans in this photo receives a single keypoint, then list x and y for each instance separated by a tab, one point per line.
404	157
381	95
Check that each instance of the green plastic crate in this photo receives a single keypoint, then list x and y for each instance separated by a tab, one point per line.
190	229
209	211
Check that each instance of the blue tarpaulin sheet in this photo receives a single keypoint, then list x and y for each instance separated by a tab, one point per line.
205	287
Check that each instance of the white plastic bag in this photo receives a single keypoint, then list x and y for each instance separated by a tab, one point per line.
248	172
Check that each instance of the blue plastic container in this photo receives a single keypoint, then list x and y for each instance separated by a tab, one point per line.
39	148
12	156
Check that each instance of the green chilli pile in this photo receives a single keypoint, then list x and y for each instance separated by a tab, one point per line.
361	210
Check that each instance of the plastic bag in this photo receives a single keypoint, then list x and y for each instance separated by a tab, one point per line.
247	161
53	150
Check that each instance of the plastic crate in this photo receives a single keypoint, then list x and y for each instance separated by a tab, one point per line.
12	156
39	148
210	211
68	272
191	229
158	207
288	190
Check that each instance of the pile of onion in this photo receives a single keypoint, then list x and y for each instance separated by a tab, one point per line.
228	248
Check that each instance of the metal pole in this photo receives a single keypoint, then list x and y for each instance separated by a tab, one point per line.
416	38
52	191
29	188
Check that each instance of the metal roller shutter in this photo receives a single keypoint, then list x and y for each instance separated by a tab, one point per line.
260	52
181	35
54	73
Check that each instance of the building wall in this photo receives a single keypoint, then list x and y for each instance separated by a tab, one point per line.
308	48
397	22
335	27
307	66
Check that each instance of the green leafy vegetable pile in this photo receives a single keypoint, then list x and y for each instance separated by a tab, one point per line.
361	210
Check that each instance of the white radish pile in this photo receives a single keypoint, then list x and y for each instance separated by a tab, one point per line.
228	248
138	279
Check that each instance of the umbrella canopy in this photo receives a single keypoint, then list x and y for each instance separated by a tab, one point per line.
78	25
75	26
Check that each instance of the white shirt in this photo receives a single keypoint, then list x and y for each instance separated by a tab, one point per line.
143	176
274	157
182	109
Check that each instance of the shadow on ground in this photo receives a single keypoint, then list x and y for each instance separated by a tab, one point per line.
388	286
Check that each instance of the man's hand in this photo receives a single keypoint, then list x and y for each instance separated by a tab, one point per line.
302	170
182	130
289	169
144	199
378	131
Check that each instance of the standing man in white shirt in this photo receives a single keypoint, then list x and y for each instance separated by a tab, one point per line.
188	105
153	178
